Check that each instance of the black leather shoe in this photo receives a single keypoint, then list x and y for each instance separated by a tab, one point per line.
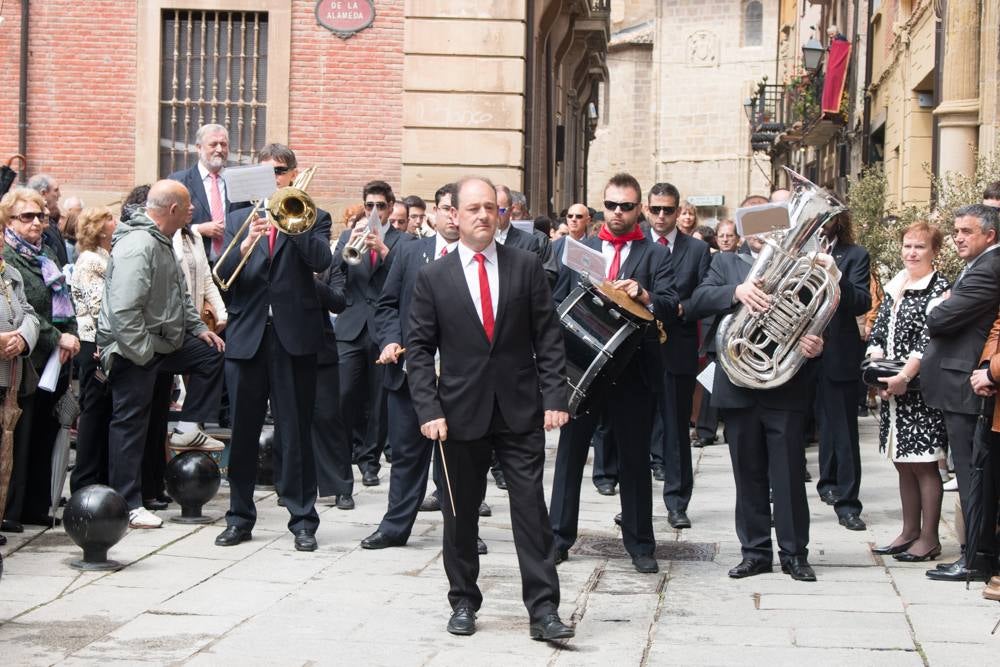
830	498
947	566
852	522
958	572
370	478
562	555
379	540
305	541
481	547
281	502
645	564
798	568
703	442
164	498
890	550
3	540
431	504
345	502
678	519
154	505
748	567
232	536
484	509
388	456
499	478
462	622
806	476
550	628
606	489
9	526
658	473
907	557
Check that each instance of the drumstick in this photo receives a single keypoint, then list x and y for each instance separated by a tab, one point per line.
402	350
447	479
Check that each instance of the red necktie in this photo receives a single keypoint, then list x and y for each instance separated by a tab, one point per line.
444	251
662	240
617	260
218	210
272	236
484	296
373	255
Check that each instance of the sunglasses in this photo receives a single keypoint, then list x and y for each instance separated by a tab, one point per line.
369	205
577	216
665	210
625	206
278	171
29	217
501	210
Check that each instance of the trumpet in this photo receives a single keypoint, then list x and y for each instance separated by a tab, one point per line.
290	210
354	249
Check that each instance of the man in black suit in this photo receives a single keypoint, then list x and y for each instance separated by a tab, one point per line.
535	242
765	430
958	326
643	270
839	370
362	394
671	444
274	333
411	451
487	311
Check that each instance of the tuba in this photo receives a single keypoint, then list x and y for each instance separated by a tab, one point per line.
760	350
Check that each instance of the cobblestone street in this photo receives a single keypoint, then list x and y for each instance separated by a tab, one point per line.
181	600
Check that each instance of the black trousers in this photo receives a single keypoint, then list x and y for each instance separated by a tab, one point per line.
989	494
132	390
839	447
767	445
289	381
522	456
331	443
92	425
628	415
411	455
361	394
708	416
675	440
154	455
605	469
961	431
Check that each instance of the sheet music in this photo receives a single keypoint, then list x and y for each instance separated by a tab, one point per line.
249	183
707	377
526	226
584	260
375	223
761	219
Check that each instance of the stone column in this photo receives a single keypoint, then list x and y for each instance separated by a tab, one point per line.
989	74
958	112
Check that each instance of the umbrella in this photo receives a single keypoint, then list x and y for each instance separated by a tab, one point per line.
7	173
982	499
66	410
9	414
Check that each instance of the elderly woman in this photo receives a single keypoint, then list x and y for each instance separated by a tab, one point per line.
190	252
45	289
95	227
911	434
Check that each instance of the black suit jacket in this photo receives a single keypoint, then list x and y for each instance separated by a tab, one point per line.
715	297
363	285
522	371
958	327
393	310
843	347
284	283
690	258
650	265
330	290
191	178
537	243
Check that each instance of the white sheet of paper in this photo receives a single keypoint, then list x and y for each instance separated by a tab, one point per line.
761	219
707	377
249	183
50	376
375	223
526	226
584	260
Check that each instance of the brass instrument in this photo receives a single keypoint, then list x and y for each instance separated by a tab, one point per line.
289	209
355	249
760	350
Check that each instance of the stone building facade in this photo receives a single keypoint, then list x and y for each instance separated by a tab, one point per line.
431	90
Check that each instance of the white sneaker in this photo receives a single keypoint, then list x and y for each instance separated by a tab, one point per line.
143	518
195	440
951	484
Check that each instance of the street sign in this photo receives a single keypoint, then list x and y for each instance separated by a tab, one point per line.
707	200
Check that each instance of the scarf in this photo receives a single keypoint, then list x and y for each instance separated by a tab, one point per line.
62	305
618	242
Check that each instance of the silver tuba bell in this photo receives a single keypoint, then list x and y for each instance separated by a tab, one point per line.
760	350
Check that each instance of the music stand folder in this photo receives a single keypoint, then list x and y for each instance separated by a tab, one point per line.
752	220
255	183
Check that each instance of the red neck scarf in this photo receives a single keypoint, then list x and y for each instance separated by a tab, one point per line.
618	242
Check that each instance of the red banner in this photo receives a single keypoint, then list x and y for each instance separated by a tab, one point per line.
837	60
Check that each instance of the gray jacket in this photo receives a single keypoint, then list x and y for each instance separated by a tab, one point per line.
146	309
16	314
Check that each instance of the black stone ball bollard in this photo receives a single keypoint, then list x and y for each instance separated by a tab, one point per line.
265	459
96	518
192	479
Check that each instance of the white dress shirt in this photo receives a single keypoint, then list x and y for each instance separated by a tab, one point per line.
471	268
206	181
439	243
671	238
608	250
501	235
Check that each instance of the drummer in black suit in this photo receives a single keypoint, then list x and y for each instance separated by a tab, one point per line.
643	270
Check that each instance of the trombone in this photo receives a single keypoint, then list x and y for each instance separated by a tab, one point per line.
290	210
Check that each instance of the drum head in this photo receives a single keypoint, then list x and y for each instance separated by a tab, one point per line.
620	297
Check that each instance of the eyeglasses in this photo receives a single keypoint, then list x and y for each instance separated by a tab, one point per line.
278	171
625	206
665	210
577	216
369	205
27	218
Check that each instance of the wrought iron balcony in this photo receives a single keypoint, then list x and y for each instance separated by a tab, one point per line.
766	113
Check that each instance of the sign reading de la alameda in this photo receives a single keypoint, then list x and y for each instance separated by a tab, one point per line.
345	18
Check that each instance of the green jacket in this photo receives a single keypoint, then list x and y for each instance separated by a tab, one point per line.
40	298
146	309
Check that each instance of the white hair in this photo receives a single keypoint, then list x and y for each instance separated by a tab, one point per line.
40	183
209	128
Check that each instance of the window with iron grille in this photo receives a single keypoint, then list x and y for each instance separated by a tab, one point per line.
213	69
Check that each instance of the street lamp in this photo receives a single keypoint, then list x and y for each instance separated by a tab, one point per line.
812	54
748	107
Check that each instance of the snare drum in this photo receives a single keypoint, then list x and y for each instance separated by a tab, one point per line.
602	328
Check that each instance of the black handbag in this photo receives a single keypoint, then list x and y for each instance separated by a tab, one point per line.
874	370
7	173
